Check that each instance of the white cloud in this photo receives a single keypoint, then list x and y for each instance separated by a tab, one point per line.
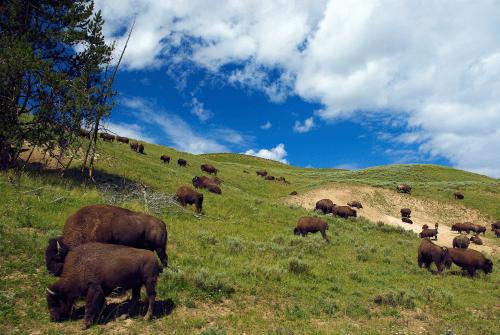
198	109
278	153
133	131
435	65
266	125
304	127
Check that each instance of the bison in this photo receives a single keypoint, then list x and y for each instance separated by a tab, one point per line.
140	148
325	206
355	204
460	227
107	224
428	233
182	162
310	224
94	270
261	173
187	196
84	133
461	241
212	185
478	229
122	139
293	193
495	225
405	212
134	146
283	180
165	158
404	188
471	260
458	195
210	169
497	232
425	226
407	220
269	177
344	211
107	137
429	253
476	240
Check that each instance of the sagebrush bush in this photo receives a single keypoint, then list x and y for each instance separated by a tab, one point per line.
295	265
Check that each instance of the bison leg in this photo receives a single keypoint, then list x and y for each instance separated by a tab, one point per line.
163	256
420	261
439	267
471	271
93	304
323	233
136	294
151	291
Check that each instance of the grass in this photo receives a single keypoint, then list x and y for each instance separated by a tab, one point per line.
239	268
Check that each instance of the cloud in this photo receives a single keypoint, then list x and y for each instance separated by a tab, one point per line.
304	127
434	67
278	153
198	109
266	125
133	131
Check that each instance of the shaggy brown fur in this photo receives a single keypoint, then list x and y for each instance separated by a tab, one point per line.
429	253
460	227
140	148
478	229
134	146
261	173
476	240
122	139
344	211
458	195
406	220
188	196
429	233
210	184
311	224
405	212
182	162
210	169
325	206
404	188
461	241
495	225
93	270
107	137
355	204
471	260
165	159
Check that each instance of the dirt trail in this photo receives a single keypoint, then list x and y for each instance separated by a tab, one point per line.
384	205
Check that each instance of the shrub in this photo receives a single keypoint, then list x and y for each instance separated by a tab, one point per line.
235	245
400	298
207	239
295	265
212	284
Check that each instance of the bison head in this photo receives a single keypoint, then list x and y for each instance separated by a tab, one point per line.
57	301
54	255
296	231
488	266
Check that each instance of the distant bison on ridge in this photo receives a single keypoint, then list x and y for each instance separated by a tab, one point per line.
210	169
187	196
325	206
211	185
404	188
269	177
261	173
107	224
182	162
458	195
311	224
165	159
122	139
355	204
107	137
134	146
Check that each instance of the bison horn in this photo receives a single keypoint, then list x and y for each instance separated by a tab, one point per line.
49	291
58	247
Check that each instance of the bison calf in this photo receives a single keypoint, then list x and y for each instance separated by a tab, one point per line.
471	260
407	220
355	204
458	195
461	241
165	158
429	233
344	211
210	169
476	240
210	184
187	196
94	270
405	212
310	224
404	188
122	139
429	253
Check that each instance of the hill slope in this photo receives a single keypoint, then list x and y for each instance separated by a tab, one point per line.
239	268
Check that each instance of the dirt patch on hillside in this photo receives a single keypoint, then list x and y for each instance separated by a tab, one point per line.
384	205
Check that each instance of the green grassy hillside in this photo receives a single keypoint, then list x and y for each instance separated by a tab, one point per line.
239	269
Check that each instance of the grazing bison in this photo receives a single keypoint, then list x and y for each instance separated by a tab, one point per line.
269	177
283	180
344	211
429	253
497	232
134	146
429	233
310	224
140	148
293	193
107	137
355	204
460	227
476	240
458	195
405	212
404	188
478	229
210	169
325	206
187	196
495	225
182	162
107	224
84	133
471	260
461	241
261	173
165	159
94	270
122	139
407	220
207	183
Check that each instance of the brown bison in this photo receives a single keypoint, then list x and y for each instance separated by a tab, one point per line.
122	139
261	173
478	229
497	232
355	204
182	162
293	193
405	212
429	253
207	183
429	233
84	133
458	195
460	227
94	270
471	260
476	240
425	226
495	225
407	220
311	224
269	177
140	148
404	188
187	196
283	180
344	211
461	241
107	224
210	169
325	206
134	146
165	159
107	137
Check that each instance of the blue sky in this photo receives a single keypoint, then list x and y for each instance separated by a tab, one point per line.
323	84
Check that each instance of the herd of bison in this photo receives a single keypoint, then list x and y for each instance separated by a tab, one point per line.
105	247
